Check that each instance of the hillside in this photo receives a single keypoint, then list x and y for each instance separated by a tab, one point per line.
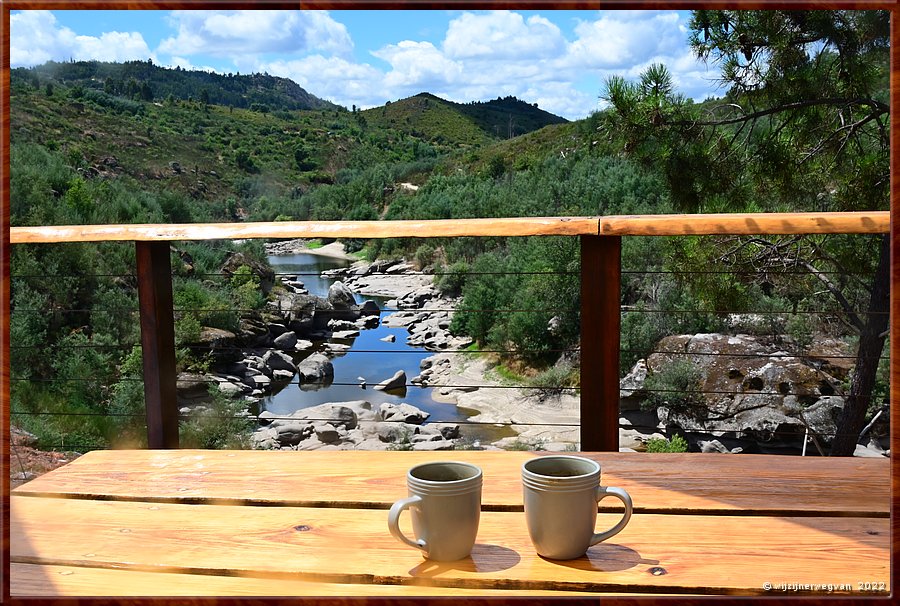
149	82
461	124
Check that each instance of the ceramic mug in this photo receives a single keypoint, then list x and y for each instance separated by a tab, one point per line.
445	504
561	495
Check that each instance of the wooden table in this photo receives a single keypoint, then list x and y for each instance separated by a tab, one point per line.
191	522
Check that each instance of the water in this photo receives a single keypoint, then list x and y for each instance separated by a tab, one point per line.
363	361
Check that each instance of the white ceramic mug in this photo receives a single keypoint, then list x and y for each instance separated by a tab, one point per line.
445	504
561	495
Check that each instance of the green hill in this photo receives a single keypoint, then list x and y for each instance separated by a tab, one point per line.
145	81
460	124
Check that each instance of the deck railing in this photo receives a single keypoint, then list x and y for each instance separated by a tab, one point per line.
601	273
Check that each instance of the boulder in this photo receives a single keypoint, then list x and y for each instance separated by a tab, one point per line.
370	308
395	383
338	415
285	341
402	412
388	339
316	368
340	297
326	432
292	433
434	445
275	360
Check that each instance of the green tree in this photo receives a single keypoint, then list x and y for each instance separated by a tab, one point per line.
803	126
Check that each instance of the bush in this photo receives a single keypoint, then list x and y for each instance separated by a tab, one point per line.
674	444
676	385
221	425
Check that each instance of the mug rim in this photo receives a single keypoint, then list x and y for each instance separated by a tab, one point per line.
449	483
540	476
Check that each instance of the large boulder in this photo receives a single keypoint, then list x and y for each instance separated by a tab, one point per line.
751	388
395	383
340	296
402	412
315	369
275	360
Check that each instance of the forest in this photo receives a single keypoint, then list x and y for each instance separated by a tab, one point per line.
136	143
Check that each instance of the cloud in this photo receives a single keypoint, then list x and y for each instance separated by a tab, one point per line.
418	64
36	37
238	33
619	40
332	78
502	35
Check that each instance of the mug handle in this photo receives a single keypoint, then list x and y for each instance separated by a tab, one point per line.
603	491
394	521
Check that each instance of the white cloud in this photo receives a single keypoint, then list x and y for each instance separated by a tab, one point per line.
502	35
618	39
418	64
332	78
36	37
239	33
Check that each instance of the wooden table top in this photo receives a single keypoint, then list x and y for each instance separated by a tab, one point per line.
193	522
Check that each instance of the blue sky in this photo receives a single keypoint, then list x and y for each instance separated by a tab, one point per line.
558	59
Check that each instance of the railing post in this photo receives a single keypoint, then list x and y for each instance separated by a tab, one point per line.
601	278
154	276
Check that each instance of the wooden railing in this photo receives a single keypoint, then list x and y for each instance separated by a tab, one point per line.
600	283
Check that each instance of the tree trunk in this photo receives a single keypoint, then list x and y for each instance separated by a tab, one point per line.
871	344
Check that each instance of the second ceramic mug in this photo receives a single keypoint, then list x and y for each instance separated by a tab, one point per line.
561	495
445	503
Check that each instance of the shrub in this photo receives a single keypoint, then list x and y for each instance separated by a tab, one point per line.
221	425
676	385
674	444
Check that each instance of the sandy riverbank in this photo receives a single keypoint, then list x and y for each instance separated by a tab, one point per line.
334	249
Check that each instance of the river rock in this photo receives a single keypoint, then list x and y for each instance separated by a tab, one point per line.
370	308
292	433
285	341
402	412
337	414
395	383
434	445
388	339
340	296
315	368
326	432
275	360
395	432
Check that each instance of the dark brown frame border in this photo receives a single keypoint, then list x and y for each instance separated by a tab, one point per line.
8	5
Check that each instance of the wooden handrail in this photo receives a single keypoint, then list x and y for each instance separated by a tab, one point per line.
869	222
440	228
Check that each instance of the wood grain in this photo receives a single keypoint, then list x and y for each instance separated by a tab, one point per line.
526	226
39	580
699	554
870	222
671	483
643	225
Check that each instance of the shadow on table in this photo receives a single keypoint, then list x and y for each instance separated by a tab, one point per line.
484	558
606	557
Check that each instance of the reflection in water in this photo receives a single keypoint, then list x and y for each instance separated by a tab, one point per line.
366	359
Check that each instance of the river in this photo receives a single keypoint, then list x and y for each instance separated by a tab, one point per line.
369	357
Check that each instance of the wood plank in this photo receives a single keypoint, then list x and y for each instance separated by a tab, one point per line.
698	554
868	222
40	580
666	483
643	225
440	228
